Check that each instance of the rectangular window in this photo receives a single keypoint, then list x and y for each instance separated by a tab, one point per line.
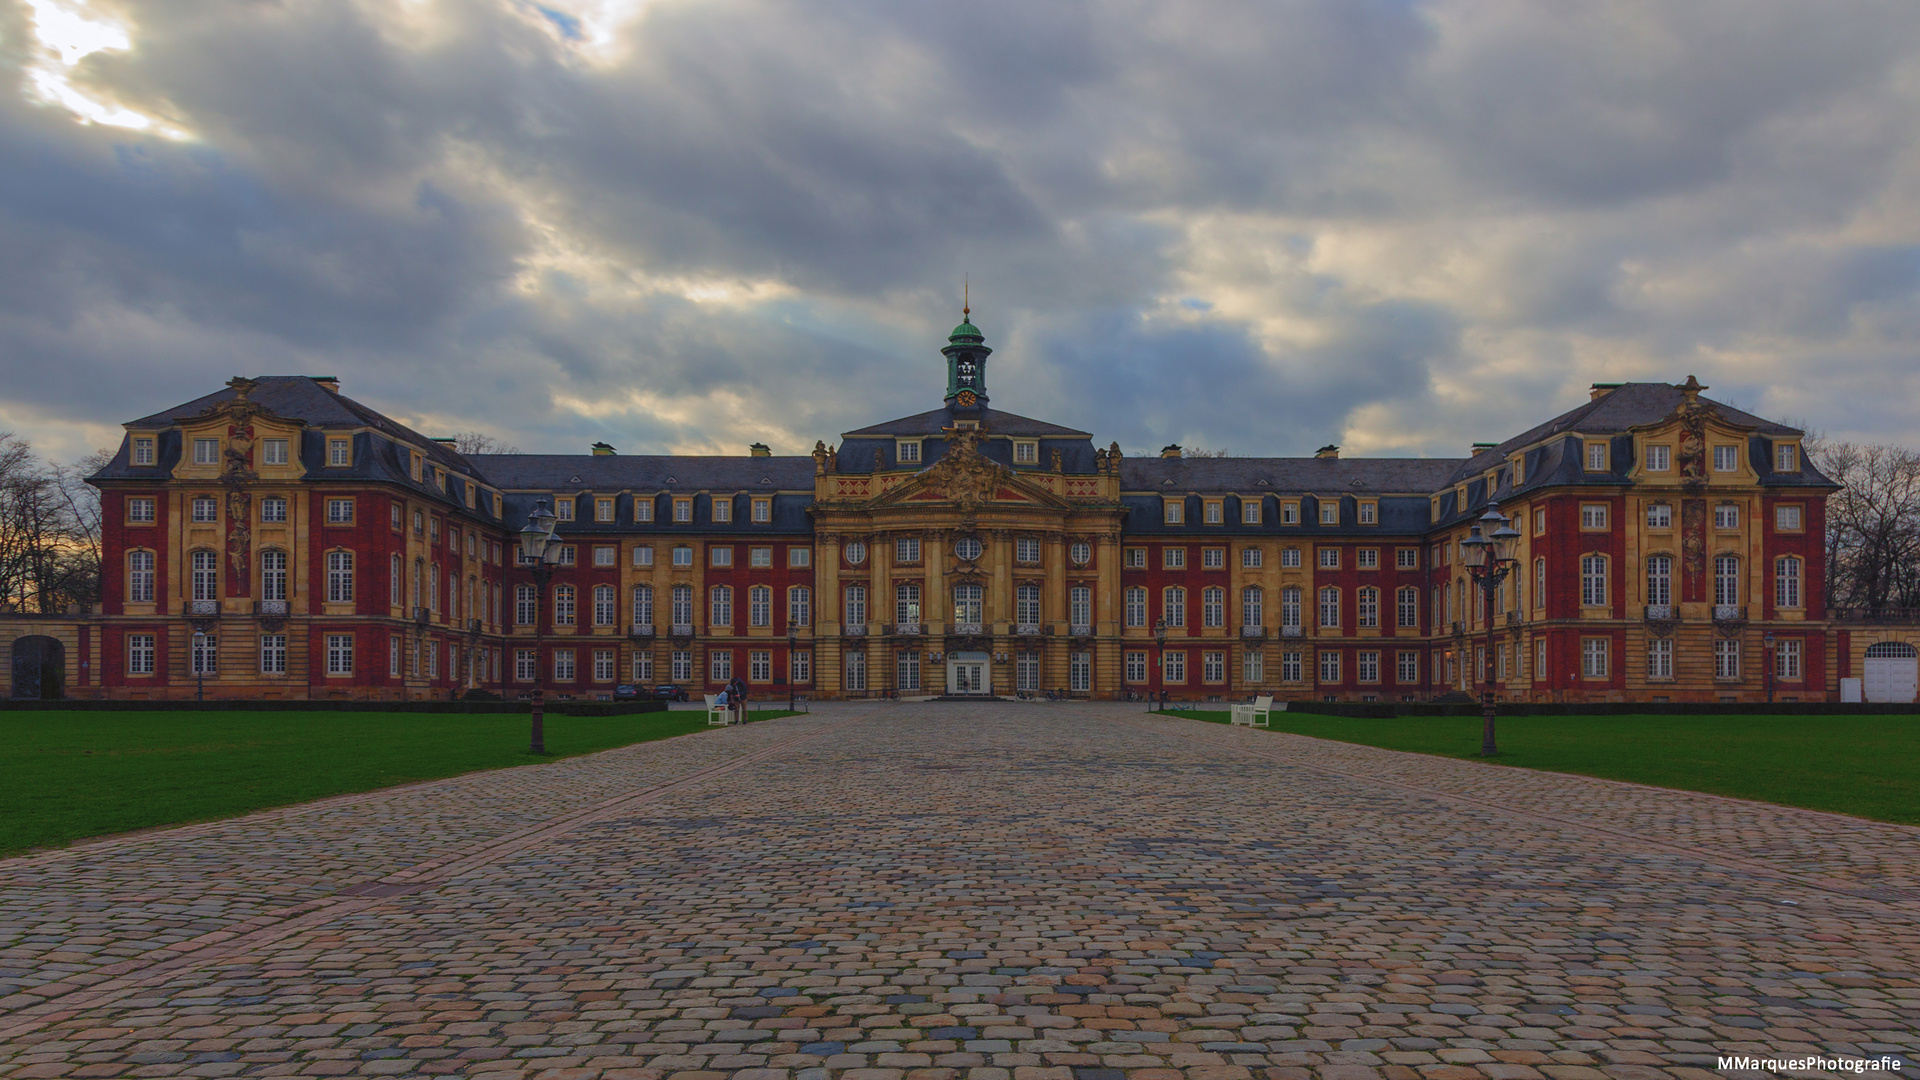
1079	672
1291	667
525	665
800	606
1786	518
1176	512
1330	667
642	667
1289	513
1213	511
339	452
273	452
1173	603
1786	458
569	555
1249	511
1367	666
643	555
393	656
1026	550
206	451
1026	452
683	556
1369	513
273	511
1593	515
906	549
1290	559
143	451
1596	457
720	556
206	510
1329	511
680	665
603	509
1173	558
1659	458
1406	558
1726	458
1659	516
140	654
856	671
1593	581
1213	558
1368	558
1408	668
642	508
606	556
1408	608
1253	667
722	510
682	510
1213	666
603	660
1726	516
563	509
1136	558
564	669
1175	666
1329	558
906	451
799	556
1136	606
206	655
802	664
339	654
339	511
1136	667
906	671
762	511
1660	658
1786	659
140	510
1593	658
273	654
1250	558
1786	582
1726	658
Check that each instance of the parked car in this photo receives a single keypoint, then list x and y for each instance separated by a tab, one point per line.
626	692
670	692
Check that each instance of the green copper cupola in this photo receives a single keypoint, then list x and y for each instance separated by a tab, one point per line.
966	354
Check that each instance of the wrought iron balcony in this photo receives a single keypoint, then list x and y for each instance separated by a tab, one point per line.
682	629
908	628
273	609
640	630
1877	615
1662	613
972	629
1254	633
853	630
1292	631
1729	613
203	607
1027	629
1081	629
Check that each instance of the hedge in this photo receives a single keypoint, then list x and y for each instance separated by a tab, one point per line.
557	708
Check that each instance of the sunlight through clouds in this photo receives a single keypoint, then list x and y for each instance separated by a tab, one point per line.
67	32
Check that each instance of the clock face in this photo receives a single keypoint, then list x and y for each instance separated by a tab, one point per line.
966	398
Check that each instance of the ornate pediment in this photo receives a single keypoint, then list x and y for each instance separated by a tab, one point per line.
969	480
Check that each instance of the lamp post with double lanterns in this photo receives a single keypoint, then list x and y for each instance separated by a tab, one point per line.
1160	661
1488	553
539	553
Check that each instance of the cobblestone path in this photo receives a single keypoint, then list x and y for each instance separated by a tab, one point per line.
1014	891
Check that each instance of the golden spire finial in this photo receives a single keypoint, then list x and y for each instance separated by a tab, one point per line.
966	298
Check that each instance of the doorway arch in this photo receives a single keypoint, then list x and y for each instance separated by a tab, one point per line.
39	668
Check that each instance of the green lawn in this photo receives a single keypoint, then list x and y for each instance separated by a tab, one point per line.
71	775
1868	766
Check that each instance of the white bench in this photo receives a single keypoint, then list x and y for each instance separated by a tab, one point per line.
1256	714
717	714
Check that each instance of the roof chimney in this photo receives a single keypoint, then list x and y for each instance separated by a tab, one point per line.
1170	450
447	441
601	449
329	383
1602	389
759	449
1330	452
1482	447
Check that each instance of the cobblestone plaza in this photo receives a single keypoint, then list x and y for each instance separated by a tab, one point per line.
979	890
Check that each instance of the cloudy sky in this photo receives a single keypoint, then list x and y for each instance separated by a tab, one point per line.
688	225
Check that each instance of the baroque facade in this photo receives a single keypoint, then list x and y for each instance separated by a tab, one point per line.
277	539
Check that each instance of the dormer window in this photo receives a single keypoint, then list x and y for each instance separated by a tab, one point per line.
722	510
563	509
273	452
206	451
143	451
1726	459
1659	458
1026	451
603	509
340	453
1596	457
907	451
1786	458
1329	511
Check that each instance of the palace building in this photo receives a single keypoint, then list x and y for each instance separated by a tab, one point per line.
278	539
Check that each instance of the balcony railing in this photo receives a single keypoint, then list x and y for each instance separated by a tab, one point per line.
640	630
969	628
682	629
203	607
908	628
1725	613
1661	613
1516	618
854	630
1081	629
1253	633
274	609
1292	631
1882	615
1027	629
421	615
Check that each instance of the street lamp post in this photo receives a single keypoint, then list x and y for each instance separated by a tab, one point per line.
539	552
793	642
1160	660
1767	641
1488	553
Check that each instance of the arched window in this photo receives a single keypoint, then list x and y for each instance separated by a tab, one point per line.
1593	581
1253	607
1369	606
1026	604
206	576
339	577
1726	580
1290	607
720	608
525	599
682	610
273	574
1409	613
1329	606
563	605
906	602
799	606
759	606
605	611
643	605
1786	582
1213	606
1174	603
854	606
140	577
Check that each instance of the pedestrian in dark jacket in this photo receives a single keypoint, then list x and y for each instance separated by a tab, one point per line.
737	696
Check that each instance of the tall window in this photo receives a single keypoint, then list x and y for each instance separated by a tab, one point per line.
1291	667
1136	605
1786	582
1253	668
906	549
643	667
1026	550
966	604
1213	666
1174	666
1660	658
1786	659
606	611
140	577
720	608
906	671
680	664
1660	579
1136	667
1026	671
140	654
339	577
1726	579
856	677
1173	604
683	613
802	665
1408	615
1290	607
206	575
206	654
1409	667
563	606
1726	658
1080	605
525	599
1213	606
1367	665
564	669
759	606
1026	604
1329	606
1369	606
855	606
799	606
1253	605
1540	583
1593	580
1593	658
643	605
603	659
339	654
1329	667
273	654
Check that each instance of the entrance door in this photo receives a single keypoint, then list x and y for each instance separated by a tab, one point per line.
39	668
967	673
1891	672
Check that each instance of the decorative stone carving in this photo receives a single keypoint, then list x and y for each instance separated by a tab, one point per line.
963	475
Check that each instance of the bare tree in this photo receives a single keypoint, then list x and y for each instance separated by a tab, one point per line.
1873	525
479	442
78	567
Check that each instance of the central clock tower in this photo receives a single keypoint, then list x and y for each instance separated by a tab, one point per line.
966	354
